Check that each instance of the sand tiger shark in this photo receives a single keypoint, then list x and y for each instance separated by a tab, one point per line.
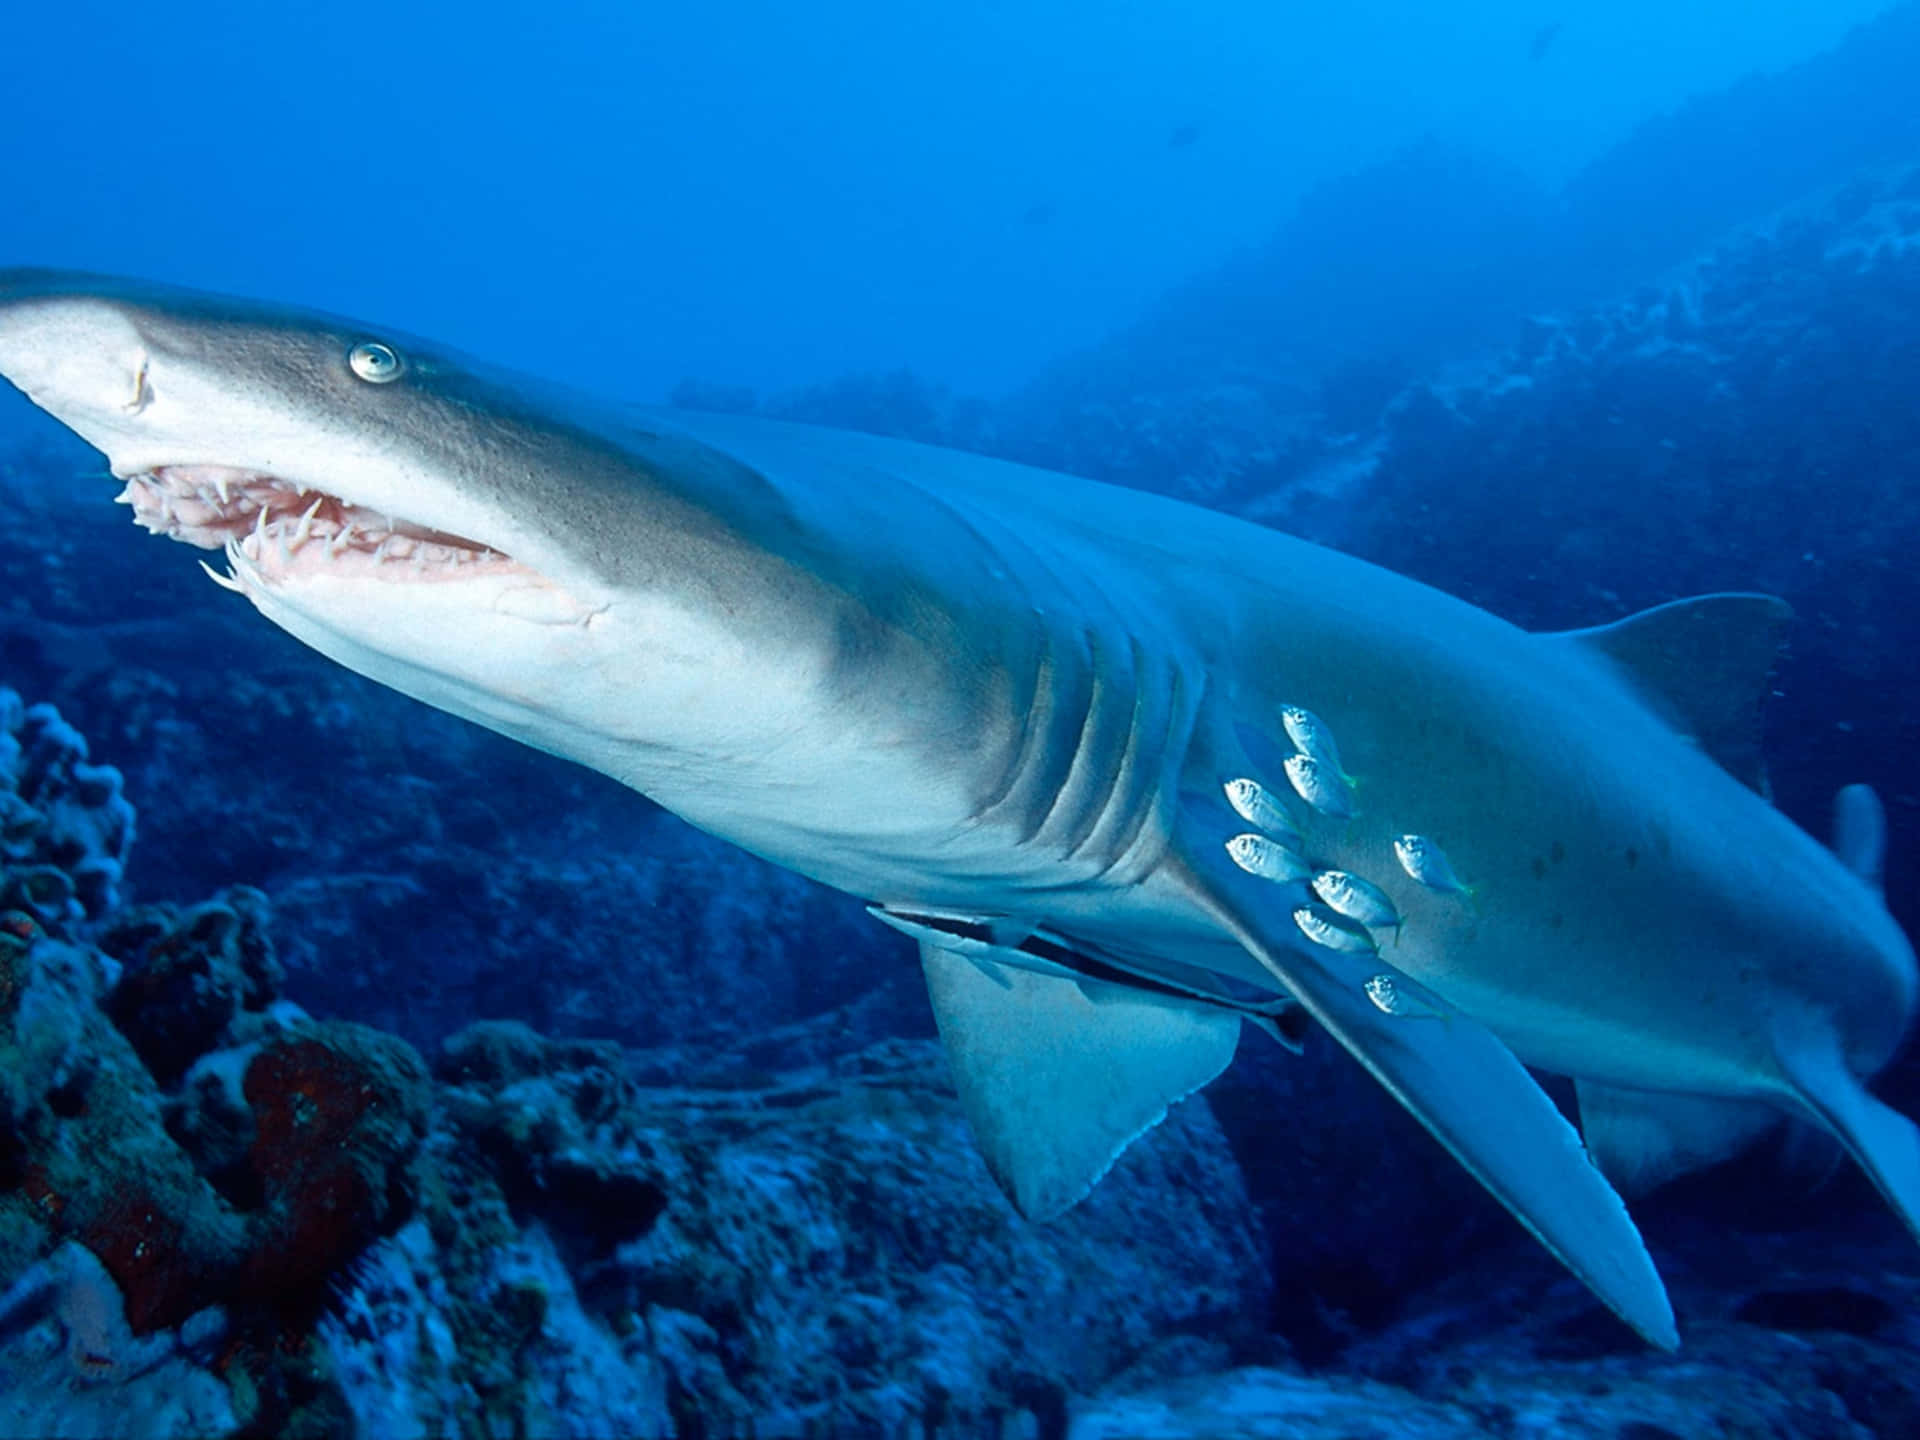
1134	774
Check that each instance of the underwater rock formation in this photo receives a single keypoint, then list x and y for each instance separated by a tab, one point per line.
70	1363
180	1152
65	827
822	1249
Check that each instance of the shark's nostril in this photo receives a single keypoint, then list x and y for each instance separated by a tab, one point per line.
142	388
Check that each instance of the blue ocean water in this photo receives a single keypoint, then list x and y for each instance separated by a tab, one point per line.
364	1072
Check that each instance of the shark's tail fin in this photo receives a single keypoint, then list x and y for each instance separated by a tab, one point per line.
1884	1142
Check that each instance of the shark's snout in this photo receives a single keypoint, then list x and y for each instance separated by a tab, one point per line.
210	453
82	358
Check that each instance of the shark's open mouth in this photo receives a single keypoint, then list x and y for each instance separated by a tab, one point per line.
274	531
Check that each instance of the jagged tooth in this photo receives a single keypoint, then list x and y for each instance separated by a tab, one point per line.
223	486
305	527
260	523
380	551
125	497
225	582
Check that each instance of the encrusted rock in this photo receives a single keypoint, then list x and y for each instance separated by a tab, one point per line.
65	828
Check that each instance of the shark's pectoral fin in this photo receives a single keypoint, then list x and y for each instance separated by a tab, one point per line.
1705	664
1058	1076
1641	1140
1885	1143
1467	1088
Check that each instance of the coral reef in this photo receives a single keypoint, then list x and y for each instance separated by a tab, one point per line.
65	827
180	1152
824	1249
70	1363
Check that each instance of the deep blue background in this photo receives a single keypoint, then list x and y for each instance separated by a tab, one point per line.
769	193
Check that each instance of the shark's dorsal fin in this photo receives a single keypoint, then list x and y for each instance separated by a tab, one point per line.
1705	664
1058	1076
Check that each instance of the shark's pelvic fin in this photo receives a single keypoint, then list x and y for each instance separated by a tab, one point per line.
1641	1140
1885	1143
1705	664
1058	1076
1860	833
1475	1097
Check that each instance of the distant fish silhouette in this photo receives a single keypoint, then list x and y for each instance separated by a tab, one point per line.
1183	137
1543	39
1037	214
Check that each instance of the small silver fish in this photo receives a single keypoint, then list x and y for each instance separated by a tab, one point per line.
1319	786
1311	737
1390	999
1357	899
1427	863
1258	806
1323	927
1270	860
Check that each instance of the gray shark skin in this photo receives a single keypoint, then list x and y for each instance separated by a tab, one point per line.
1003	706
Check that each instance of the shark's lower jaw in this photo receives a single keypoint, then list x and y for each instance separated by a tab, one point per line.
275	531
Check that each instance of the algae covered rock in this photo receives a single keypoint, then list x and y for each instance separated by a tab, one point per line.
91	1160
70	1363
339	1112
188	974
65	827
821	1249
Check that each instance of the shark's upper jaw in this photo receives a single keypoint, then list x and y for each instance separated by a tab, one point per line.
275	531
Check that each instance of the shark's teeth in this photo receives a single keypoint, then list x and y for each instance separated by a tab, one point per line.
305	527
225	582
268	522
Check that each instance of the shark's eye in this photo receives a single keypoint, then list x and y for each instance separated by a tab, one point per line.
375	363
